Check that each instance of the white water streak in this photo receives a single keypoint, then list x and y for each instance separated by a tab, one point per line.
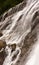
17	29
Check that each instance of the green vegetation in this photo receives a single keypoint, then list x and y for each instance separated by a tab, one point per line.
6	4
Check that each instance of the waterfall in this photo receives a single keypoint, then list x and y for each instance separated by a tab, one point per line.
20	26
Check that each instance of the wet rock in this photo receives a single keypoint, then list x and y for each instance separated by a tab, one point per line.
2	53
1	34
2	56
13	46
15	55
0	18
2	44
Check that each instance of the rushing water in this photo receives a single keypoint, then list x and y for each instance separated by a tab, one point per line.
20	26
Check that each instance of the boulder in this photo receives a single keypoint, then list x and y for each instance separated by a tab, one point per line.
2	44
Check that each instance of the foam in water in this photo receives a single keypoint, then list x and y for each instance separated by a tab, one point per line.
15	28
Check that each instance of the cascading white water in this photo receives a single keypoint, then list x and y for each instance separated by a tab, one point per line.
15	28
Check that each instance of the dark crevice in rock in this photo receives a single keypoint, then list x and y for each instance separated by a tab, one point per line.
1	34
20	17
2	57
15	55
35	23
35	15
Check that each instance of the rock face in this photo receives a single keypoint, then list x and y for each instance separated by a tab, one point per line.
13	46
2	44
20	26
1	34
2	57
2	53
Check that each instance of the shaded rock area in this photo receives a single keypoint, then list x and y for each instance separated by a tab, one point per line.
2	53
2	44
1	34
13	46
15	55
2	56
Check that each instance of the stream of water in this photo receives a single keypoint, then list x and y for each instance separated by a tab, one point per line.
15	28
